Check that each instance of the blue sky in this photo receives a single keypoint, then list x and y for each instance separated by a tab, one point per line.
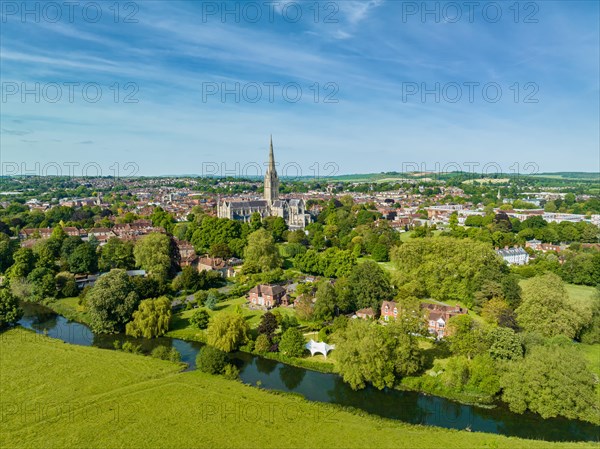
374	59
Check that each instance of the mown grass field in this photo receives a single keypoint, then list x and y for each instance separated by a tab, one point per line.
55	395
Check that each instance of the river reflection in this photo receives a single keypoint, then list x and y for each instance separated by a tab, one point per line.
405	406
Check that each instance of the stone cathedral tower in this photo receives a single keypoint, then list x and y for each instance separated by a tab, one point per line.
271	179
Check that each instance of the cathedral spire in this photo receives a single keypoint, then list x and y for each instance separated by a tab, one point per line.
271	156
271	185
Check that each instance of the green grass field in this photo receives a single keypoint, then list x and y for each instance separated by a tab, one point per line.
55	395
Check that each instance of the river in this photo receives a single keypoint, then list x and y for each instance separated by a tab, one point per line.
411	407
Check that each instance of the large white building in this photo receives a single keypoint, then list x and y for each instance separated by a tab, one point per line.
293	211
514	256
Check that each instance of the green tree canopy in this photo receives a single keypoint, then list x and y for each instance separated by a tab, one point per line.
151	319
369	353
153	254
370	285
551	381
227	331
111	302
10	312
292	343
261	253
545	308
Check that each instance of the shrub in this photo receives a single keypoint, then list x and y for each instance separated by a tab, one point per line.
165	353
200	319
231	372
211	360
131	347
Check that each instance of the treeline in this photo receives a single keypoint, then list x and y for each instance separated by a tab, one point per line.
449	269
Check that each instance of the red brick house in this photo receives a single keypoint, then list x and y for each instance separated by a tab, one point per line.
439	315
268	296
389	310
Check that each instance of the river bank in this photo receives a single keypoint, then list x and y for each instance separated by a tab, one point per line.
410	407
85	397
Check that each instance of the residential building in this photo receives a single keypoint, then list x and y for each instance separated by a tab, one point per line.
366	314
223	267
389	310
438	317
268	296
514	256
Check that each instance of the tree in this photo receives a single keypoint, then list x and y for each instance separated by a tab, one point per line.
153	254
24	263
111	302
591	332
505	344
277	227
368	352
83	259
268	325
200	319
7	248
370	285
66	285
221	250
10	312
227	331
545	308
211	360
380	253
116	254
304	307
261	253
292	343
69	245
551	381
326	304
42	284
446	268
465	336
262	344
151	319
188	280
497	311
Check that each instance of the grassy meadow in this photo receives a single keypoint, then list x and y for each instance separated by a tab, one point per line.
55	395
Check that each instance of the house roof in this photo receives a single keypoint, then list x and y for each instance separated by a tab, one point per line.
269	290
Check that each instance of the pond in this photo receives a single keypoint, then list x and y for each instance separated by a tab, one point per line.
411	407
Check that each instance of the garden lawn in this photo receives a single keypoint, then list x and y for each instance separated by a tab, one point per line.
181	328
59	396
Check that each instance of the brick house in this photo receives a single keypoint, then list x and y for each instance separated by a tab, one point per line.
101	234
268	296
389	310
72	231
438	317
187	253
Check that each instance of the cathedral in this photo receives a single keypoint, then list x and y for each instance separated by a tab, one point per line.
293	211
